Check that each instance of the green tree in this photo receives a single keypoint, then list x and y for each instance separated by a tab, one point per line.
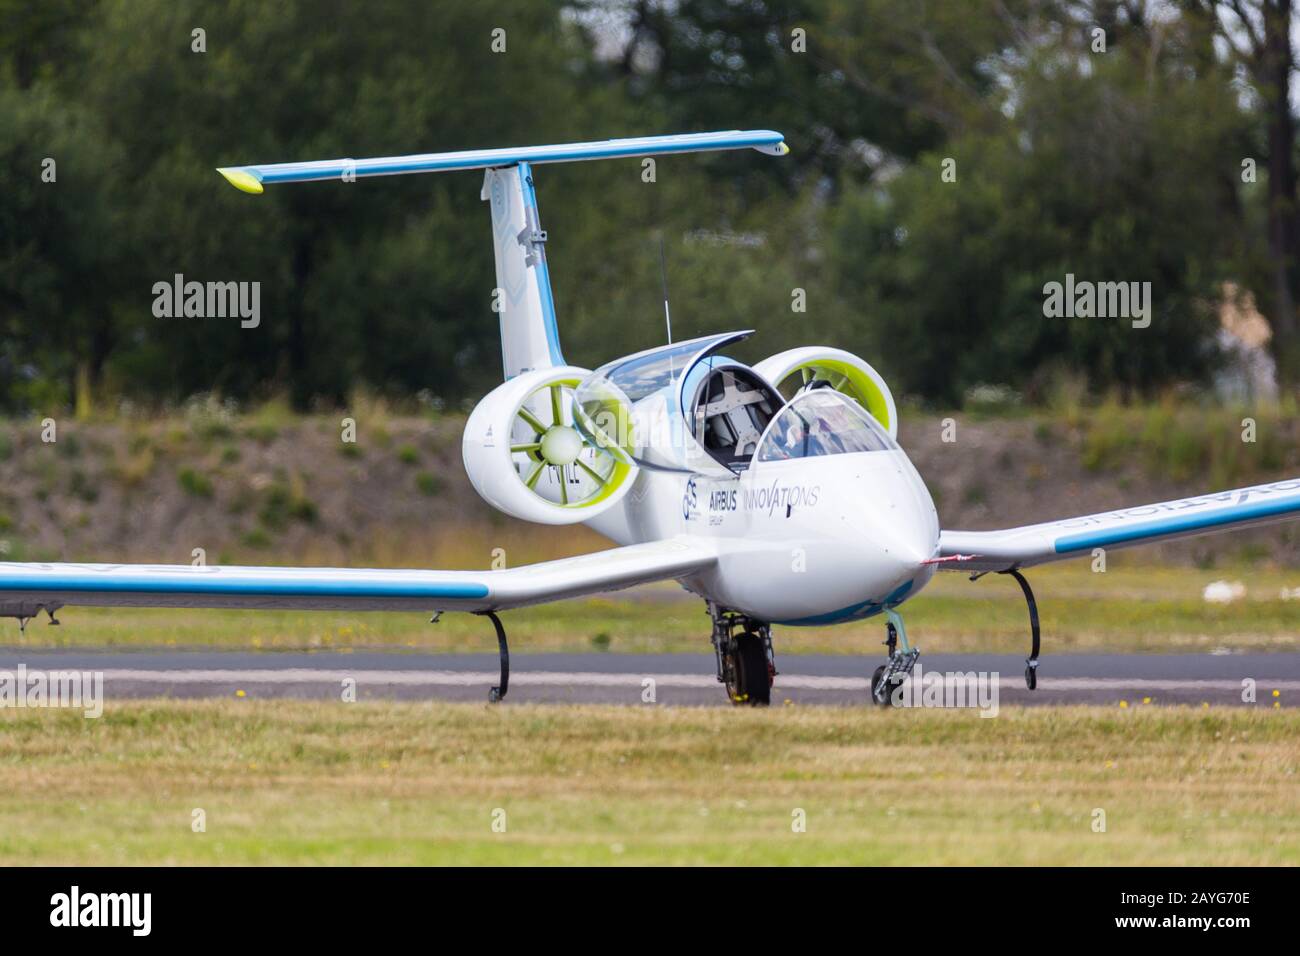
1113	169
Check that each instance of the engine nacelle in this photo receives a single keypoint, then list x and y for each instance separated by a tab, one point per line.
843	370
525	457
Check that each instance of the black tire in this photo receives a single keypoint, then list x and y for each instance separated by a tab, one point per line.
881	696
752	683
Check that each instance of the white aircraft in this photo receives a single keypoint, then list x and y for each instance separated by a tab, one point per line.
799	510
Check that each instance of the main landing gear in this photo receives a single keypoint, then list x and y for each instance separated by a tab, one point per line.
746	665
890	675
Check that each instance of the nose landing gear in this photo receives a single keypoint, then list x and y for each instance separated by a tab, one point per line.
890	675
746	664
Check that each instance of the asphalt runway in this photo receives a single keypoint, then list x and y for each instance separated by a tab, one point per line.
666	679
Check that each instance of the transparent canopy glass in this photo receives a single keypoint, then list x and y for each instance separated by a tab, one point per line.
822	422
632	405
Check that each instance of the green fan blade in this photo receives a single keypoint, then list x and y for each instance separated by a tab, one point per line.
591	471
557	404
533	421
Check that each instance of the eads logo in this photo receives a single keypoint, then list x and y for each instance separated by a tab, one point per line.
690	500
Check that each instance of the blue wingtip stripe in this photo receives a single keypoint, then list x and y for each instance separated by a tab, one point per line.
1177	524
200	584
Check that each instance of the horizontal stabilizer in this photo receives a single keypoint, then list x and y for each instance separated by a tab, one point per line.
252	179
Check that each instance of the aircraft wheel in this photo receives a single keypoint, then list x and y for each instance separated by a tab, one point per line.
881	695
751	679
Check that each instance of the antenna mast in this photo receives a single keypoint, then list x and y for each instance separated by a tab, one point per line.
663	275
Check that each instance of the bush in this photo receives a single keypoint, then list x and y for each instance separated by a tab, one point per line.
429	484
80	485
195	483
284	504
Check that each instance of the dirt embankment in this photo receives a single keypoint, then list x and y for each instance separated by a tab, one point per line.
290	490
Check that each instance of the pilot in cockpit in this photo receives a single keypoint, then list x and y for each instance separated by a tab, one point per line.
793	441
824	441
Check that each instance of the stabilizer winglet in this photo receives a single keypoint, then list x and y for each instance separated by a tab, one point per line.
242	180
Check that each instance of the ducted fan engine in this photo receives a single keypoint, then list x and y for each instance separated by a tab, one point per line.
837	369
526	457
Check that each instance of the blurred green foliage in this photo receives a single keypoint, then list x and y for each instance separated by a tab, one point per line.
1182	443
1120	166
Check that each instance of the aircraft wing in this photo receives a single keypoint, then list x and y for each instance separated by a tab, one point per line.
26	589
1076	537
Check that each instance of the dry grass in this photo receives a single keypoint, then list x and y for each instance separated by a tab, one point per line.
308	782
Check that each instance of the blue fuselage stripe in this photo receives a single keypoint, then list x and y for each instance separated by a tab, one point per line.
1177	524
200	585
854	612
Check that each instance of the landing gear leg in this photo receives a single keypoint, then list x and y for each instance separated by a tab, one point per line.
746	664
900	664
496	694
1031	662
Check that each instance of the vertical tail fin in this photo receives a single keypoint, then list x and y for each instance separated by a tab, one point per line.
529	336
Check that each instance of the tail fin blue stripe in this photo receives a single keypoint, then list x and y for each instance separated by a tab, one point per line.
543	274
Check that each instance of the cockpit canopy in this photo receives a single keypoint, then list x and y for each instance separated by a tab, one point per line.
679	407
683	407
640	376
820	422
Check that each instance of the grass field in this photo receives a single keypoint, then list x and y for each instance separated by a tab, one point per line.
310	782
1131	607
